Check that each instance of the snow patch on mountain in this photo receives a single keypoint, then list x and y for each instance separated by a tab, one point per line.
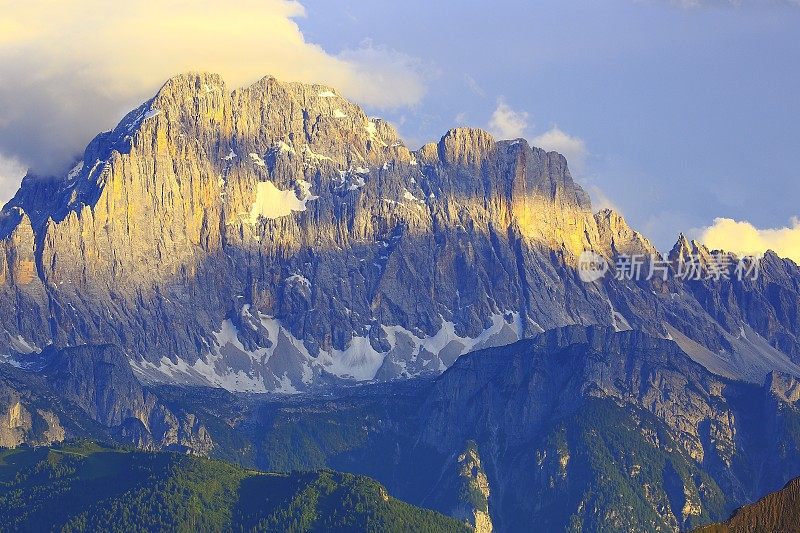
257	159
21	345
359	361
272	202
298	278
231	365
314	156
281	146
75	172
356	184
151	113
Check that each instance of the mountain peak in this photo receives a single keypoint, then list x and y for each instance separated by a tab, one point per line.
197	79
682	248
619	238
269	193
275	238
465	146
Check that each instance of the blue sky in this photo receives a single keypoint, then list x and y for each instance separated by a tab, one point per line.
682	114
687	113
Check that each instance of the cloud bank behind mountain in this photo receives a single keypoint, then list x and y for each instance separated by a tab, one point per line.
71	70
744	238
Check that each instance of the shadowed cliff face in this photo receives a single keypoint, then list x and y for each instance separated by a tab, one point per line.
91	392
575	409
277	238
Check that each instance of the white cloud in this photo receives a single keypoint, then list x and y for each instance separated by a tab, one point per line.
380	77
742	238
71	69
506	123
600	200
11	172
571	147
473	86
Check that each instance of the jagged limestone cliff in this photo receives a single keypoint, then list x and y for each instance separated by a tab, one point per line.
277	238
591	429
474	494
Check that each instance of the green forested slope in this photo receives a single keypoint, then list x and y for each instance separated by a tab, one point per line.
88	487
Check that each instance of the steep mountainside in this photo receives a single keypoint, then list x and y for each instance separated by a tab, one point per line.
85	487
778	511
275	238
575	429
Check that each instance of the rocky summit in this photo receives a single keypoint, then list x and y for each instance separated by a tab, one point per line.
277	239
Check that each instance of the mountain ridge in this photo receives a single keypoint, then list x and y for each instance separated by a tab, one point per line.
275	238
777	511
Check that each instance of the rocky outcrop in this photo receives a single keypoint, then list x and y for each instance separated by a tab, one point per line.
619	238
19	425
764	299
550	413
560	368
99	380
474	493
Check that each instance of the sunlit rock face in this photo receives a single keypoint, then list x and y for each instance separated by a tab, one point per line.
276	238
